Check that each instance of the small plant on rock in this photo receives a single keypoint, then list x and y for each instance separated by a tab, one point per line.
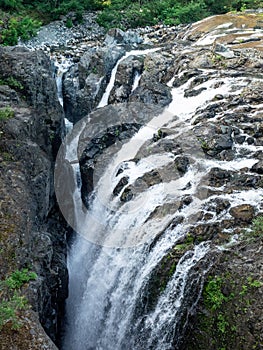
6	113
12	300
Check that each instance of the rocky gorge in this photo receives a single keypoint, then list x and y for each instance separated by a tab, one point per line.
197	90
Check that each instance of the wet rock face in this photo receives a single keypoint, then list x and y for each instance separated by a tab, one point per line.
33	88
236	321
125	78
124	121
33	233
85	82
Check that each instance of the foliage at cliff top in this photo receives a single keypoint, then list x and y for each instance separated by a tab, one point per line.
22	18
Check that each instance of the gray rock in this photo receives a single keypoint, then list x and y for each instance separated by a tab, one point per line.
84	83
125	76
116	36
31	139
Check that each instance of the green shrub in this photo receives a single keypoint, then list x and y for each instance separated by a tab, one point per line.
12	82
257	226
19	277
192	12
6	113
9	310
7	157
10	4
69	23
213	295
12	299
17	27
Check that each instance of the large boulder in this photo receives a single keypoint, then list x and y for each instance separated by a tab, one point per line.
126	74
85	82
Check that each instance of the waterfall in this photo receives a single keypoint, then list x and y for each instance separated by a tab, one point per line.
62	65
110	306
104	100
136	81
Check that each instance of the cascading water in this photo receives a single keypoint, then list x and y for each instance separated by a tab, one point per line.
110	303
61	68
104	100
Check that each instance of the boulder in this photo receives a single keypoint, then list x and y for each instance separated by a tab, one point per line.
125	77
85	82
243	212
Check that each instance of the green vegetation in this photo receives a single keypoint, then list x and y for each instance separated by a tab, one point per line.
204	144
22	18
6	113
7	157
12	300
256	229
12	82
126	14
226	298
18	26
213	295
188	241
257	226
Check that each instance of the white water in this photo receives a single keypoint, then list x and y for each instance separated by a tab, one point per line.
62	67
104	100
108	284
136	81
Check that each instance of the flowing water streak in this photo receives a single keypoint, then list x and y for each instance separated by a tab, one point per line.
169	307
61	68
136	81
105	97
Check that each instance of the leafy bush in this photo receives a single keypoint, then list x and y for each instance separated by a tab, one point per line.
18	278
12	82
125	14
12	299
10	4
9	309
17	27
115	13
69	23
255	231
194	11
6	113
213	295
257	226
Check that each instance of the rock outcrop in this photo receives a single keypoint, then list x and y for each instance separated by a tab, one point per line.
85	82
32	231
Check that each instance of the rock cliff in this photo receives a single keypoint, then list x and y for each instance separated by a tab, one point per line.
32	231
